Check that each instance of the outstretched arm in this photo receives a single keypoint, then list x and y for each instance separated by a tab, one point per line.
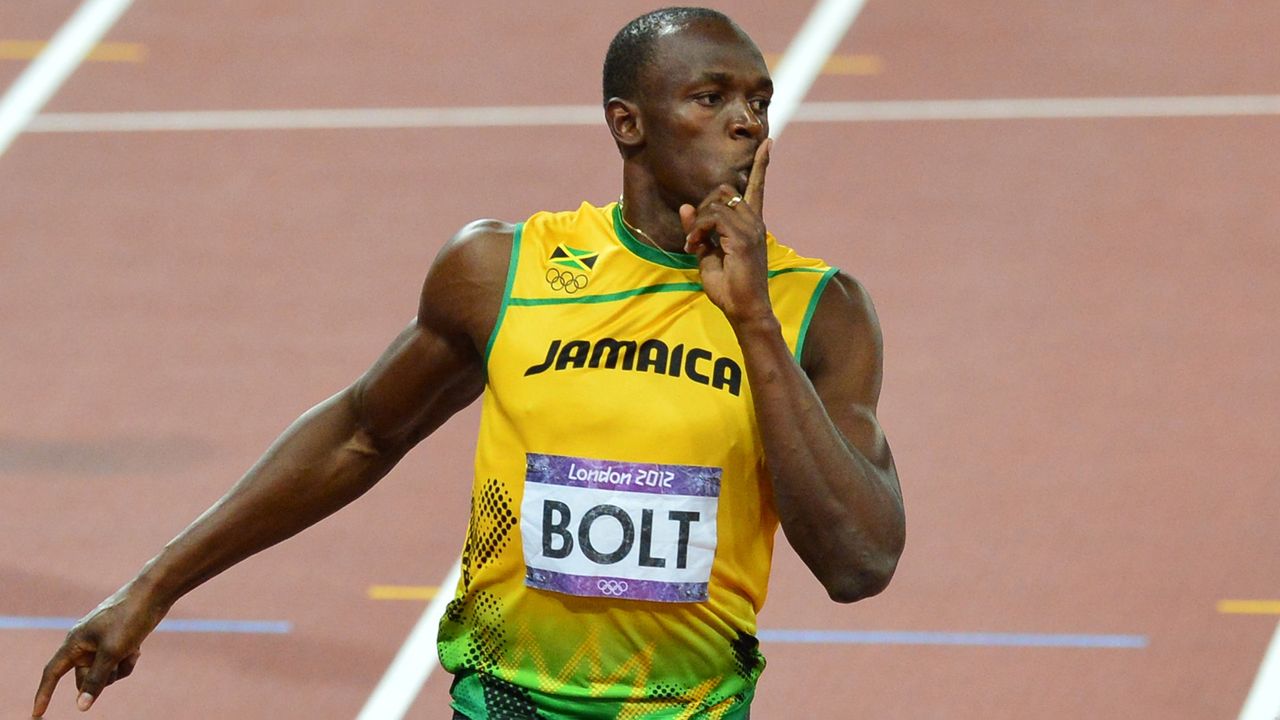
327	458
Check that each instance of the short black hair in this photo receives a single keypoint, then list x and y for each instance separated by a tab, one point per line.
632	48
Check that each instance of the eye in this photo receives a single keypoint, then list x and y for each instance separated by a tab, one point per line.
760	105
709	99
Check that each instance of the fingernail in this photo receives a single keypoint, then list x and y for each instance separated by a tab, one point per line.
84	702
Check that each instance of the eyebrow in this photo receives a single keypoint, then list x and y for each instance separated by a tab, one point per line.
724	78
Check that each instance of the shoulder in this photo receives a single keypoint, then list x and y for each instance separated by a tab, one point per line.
463	289
846	296
476	247
845	331
482	250
482	244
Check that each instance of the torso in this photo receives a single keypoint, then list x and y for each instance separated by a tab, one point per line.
622	527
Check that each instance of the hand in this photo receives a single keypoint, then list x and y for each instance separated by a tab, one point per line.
103	647
728	237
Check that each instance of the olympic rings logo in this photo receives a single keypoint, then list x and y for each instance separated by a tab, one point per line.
566	280
612	587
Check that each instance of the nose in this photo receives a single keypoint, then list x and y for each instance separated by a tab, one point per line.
745	123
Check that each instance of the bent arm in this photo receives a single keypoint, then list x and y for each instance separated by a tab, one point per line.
834	481
327	458
339	449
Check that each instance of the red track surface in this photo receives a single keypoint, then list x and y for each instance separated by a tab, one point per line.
26	22
1079	316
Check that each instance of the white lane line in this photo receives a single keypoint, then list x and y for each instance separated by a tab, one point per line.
1263	702
828	23
409	671
321	119
417	658
591	115
1041	108
56	62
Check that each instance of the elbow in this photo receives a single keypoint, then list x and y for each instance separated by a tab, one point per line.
858	587
870	578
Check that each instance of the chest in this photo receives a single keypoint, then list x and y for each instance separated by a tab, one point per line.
650	369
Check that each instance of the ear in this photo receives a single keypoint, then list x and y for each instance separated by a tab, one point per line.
623	117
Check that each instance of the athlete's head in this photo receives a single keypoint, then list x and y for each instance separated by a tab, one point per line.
633	47
686	93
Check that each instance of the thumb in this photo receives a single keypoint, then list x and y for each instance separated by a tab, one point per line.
96	679
687	215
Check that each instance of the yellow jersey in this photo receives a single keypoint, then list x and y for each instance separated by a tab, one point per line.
622	521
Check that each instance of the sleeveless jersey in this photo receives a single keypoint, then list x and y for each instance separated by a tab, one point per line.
622	522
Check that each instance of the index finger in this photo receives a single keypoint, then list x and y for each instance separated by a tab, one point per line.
53	672
755	183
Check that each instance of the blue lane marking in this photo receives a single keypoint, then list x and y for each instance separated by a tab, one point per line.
252	627
832	637
980	639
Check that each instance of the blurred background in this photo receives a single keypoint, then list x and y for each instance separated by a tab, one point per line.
219	214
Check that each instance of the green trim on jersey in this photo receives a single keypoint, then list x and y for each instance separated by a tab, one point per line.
808	314
609	297
677	260
624	294
506	291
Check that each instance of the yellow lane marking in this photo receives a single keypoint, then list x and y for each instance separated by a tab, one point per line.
1249	607
403	592
854	65
842	64
104	52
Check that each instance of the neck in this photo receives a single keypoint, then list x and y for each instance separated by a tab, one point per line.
644	210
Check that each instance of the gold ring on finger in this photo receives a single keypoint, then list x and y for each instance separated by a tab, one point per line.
733	201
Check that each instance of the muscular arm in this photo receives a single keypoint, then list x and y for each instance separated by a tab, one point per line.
327	458
834	482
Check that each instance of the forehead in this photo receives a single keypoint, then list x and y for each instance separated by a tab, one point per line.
690	52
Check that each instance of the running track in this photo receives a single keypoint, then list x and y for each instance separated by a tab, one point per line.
1079	314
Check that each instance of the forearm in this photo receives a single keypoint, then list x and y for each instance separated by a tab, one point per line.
840	508
321	463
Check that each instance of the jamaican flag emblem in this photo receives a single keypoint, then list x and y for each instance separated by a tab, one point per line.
574	258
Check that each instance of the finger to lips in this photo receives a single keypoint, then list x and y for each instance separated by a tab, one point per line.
755	184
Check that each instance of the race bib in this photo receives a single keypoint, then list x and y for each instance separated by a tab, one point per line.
601	528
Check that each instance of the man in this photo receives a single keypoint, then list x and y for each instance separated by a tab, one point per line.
663	385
